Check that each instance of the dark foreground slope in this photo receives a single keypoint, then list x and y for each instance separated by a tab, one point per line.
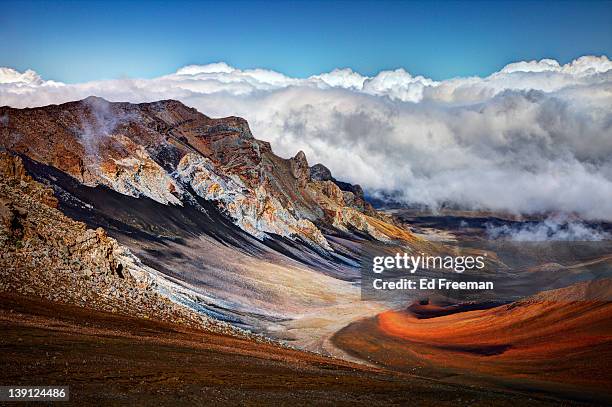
108	359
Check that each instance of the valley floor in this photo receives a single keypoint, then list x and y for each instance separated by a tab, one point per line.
108	359
561	349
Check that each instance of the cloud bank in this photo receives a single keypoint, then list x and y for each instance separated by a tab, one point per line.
535	137
553	228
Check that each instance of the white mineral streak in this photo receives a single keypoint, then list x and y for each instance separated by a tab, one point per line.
256	212
139	175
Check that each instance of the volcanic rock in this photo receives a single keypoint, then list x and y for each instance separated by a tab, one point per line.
48	255
167	152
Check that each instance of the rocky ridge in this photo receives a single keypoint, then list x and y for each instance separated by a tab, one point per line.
255	211
167	151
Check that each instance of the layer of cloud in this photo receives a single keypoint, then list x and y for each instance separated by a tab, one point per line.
551	229
534	137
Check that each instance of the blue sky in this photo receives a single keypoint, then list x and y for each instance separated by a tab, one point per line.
75	41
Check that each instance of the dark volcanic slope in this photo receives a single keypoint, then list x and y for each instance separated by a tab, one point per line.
178	241
143	219
114	360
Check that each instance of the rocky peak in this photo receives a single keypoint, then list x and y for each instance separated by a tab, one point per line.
300	169
93	100
319	172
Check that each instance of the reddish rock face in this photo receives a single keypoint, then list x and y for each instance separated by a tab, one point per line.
136	149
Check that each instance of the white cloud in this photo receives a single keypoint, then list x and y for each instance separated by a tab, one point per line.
25	79
219	67
533	137
341	78
553	228
29	77
585	65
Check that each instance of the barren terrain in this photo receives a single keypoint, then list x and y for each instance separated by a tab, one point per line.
117	360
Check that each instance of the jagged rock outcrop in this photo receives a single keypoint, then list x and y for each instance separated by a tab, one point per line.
167	151
257	212
353	196
135	173
300	169
319	172
347	218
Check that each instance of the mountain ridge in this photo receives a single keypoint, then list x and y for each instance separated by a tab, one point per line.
237	233
155	149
